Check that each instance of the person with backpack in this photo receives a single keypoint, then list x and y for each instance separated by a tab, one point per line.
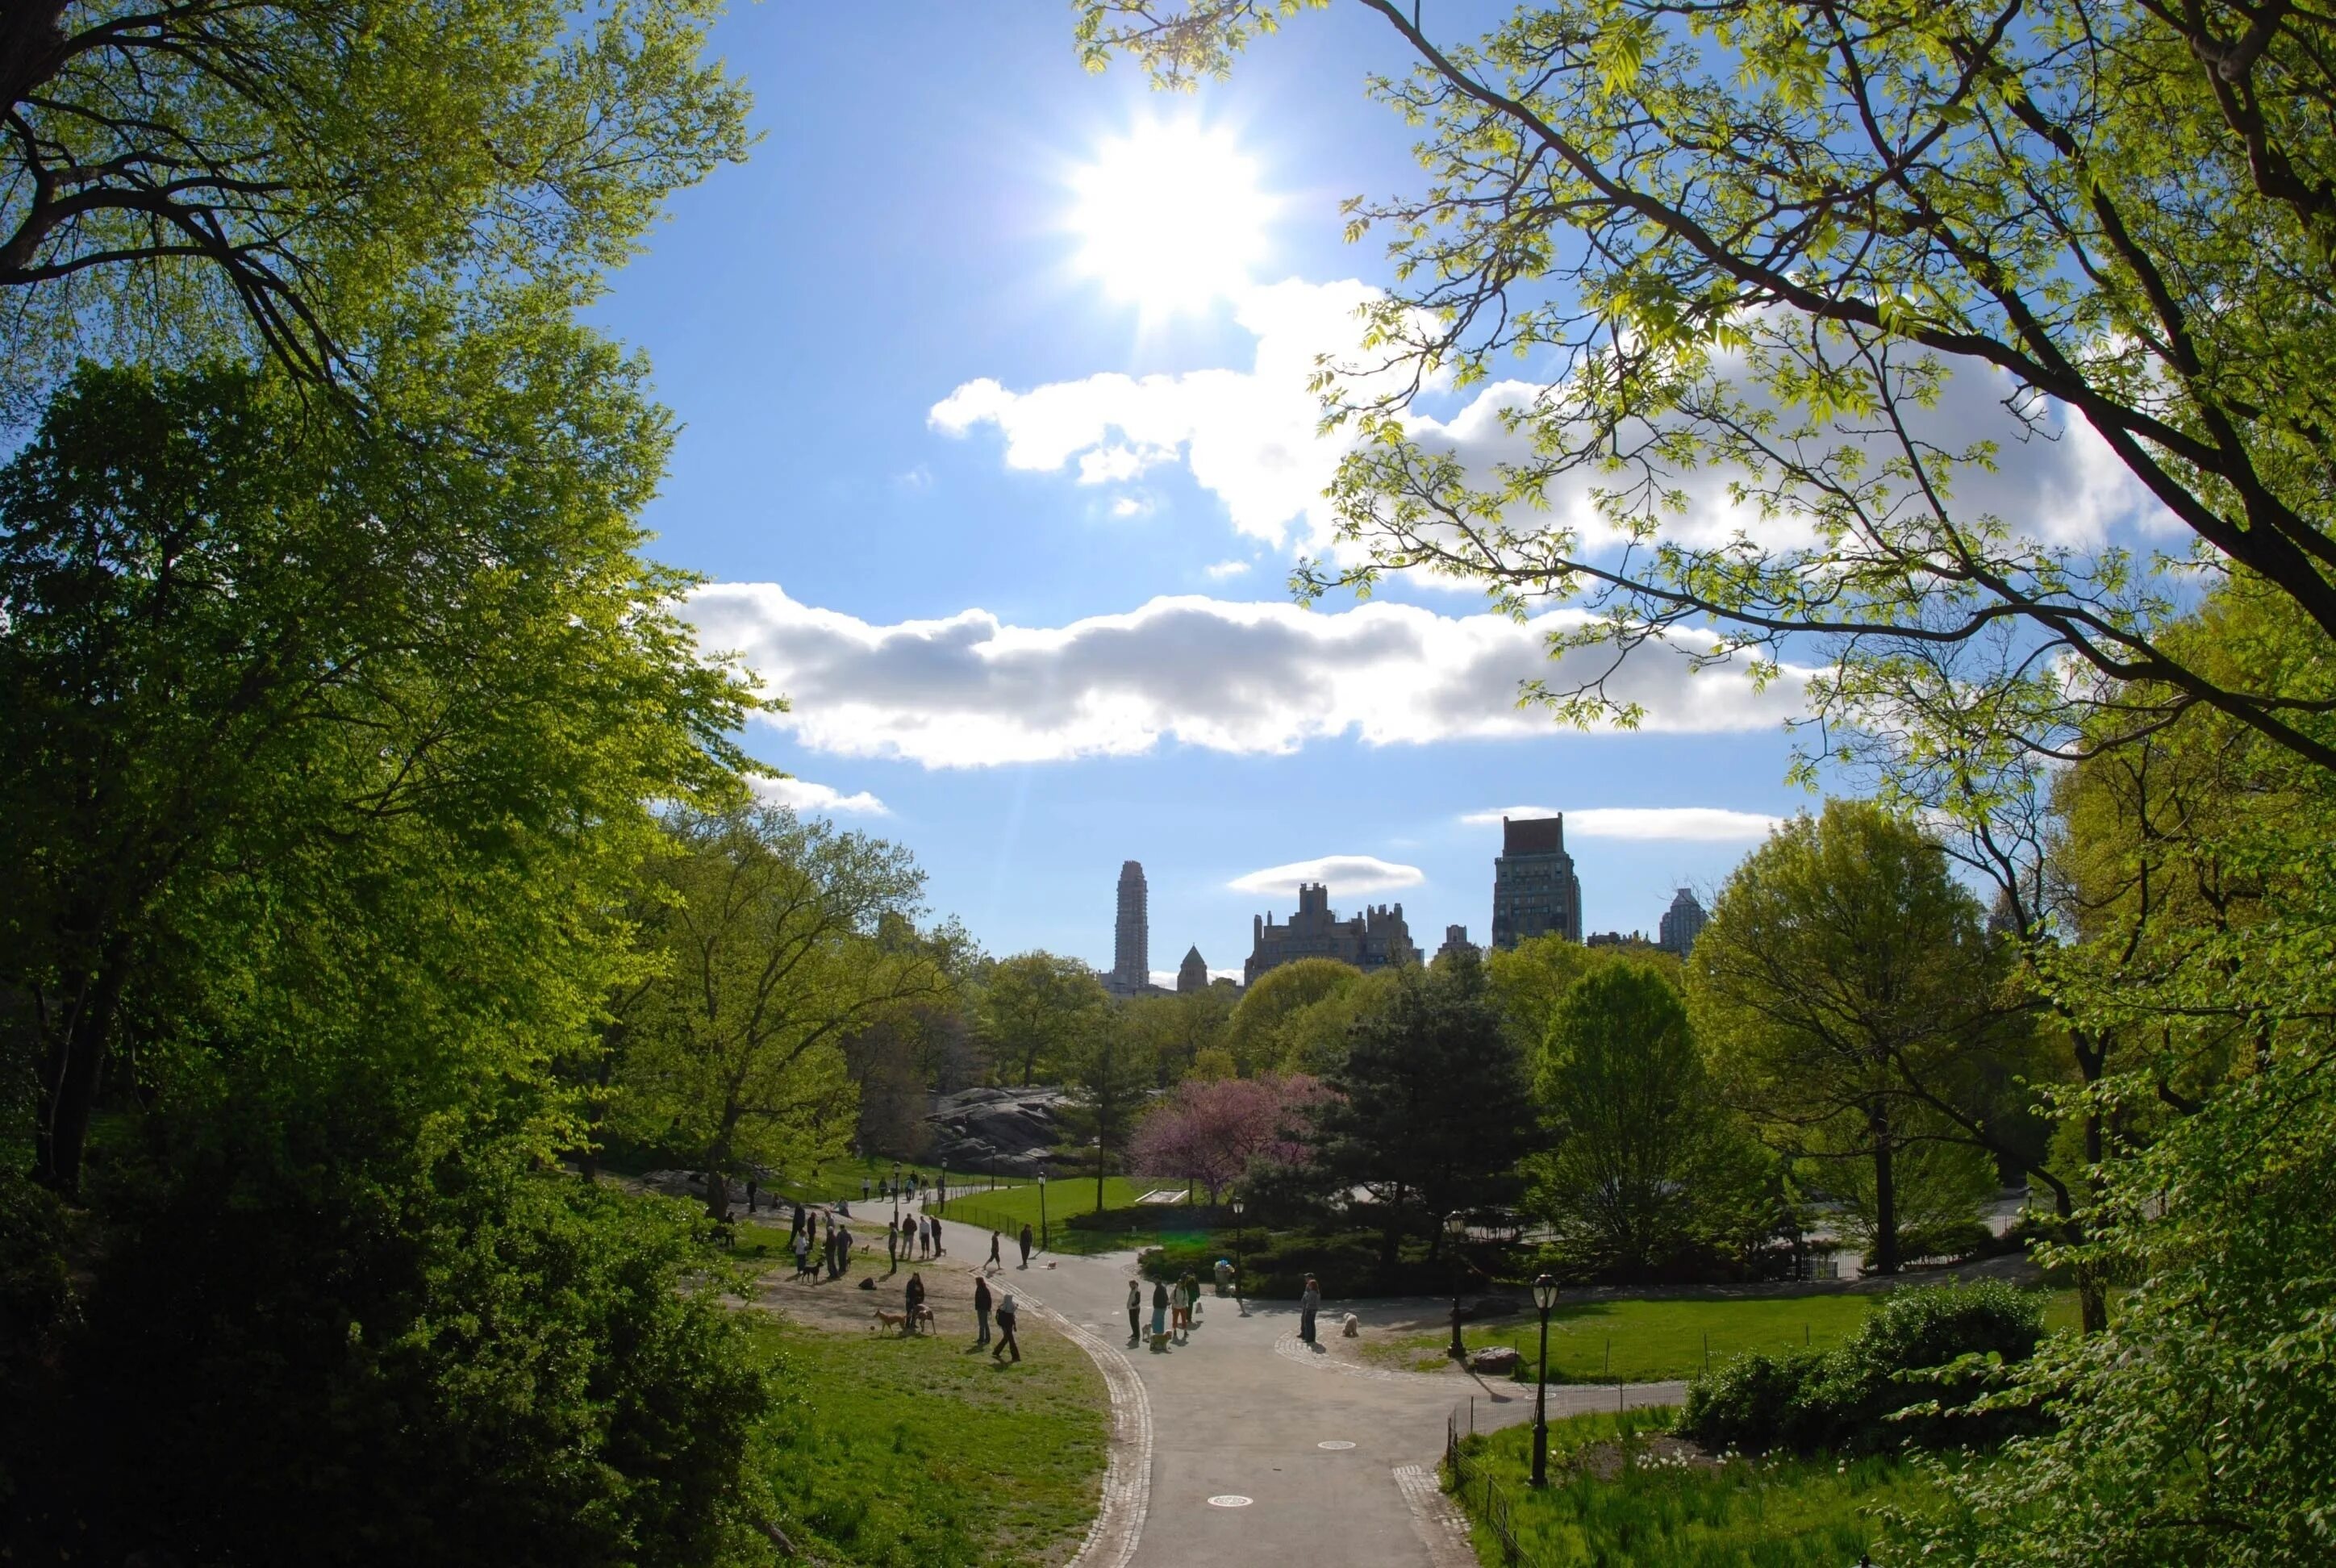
981	1300
1006	1325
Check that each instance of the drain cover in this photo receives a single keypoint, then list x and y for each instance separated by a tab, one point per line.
1335	1443
1228	1500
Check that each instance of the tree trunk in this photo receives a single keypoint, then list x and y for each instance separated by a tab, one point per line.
73	1063
1885	1195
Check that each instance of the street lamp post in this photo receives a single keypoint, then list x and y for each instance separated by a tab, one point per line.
1042	1212
1545	1297
1240	1304
1456	1231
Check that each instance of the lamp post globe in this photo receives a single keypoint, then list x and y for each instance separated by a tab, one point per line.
1456	1231
1545	1297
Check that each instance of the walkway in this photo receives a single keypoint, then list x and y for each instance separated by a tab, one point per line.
1329	1465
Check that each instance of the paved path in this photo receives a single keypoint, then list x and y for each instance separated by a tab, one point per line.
1238	1413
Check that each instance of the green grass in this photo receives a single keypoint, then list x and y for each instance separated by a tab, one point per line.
1747	1513
912	1453
1639	1339
1009	1208
841	1178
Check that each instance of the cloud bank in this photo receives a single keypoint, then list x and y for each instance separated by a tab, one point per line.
971	691
1695	825
1250	438
1345	875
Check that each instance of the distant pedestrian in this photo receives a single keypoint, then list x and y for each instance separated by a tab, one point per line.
1006	1325
1025	1246
893	1243
843	1252
981	1300
994	1262
863	1188
912	1297
1135	1311
1159	1309
1180	1316
1191	1298
1309	1304
801	1245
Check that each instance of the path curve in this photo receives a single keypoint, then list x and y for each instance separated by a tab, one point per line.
1118	1526
1572	1397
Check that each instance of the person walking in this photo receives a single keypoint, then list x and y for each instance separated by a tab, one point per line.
750	1194
912	1297
801	1245
994	1262
863	1188
893	1245
1309	1304
1006	1325
1025	1245
981	1300
1159	1312
1135	1311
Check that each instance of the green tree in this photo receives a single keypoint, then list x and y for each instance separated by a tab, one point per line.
1644	1167
199	174
1851	999
1431	1111
240	629
1531	980
1108	1072
770	943
1257	1034
1778	247
1035	1007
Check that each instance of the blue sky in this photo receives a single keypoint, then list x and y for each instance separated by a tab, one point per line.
948	541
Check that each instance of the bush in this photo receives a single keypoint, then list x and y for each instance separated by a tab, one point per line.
1903	1379
341	1365
1949	1242
1274	1266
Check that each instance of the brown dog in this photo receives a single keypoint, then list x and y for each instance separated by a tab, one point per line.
885	1319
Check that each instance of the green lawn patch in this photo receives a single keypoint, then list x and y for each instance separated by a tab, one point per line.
913	1454
1130	1223
1621	1491
1640	1340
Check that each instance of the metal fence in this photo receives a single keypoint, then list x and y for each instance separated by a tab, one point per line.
1480	1497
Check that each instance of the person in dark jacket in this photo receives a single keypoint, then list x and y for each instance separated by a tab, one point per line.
980	1311
913	1295
1308	1305
1006	1325
1159	1311
1135	1311
1025	1246
994	1262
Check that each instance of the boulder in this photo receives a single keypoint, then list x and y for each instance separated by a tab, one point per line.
1494	1360
1490	1307
1009	1132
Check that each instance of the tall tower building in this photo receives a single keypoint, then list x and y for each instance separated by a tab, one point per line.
1682	923
1131	954
1535	889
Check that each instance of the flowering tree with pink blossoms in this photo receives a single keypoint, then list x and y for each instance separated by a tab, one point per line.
1208	1131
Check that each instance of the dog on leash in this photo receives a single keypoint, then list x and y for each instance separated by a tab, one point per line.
924	1318
1352	1327
885	1319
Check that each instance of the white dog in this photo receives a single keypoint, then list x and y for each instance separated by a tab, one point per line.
1352	1327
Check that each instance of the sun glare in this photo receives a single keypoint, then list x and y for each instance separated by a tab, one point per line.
1171	215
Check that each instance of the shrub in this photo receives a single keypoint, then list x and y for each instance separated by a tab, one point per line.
1904	1377
1949	1241
1275	1265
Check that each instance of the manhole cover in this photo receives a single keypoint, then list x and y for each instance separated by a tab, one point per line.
1228	1500
1335	1443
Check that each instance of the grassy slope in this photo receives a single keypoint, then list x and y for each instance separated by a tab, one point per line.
1658	1338
913	1454
1009	1209
1765	1514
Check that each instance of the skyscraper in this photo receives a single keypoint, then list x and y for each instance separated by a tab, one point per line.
1682	923
1535	889
1131	955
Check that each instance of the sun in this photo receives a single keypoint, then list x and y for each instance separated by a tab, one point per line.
1169	216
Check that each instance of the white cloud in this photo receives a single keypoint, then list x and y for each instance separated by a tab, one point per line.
1343	874
919	478
1132	506
1222	570
1698	824
1250	437
803	795
972	691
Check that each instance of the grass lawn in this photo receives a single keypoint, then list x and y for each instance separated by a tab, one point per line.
1009	1208
913	1454
1618	1495
841	1178
1637	1340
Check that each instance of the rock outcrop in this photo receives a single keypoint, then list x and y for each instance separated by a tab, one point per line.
1009	1132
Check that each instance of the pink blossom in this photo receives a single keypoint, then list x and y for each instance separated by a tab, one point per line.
1208	1131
